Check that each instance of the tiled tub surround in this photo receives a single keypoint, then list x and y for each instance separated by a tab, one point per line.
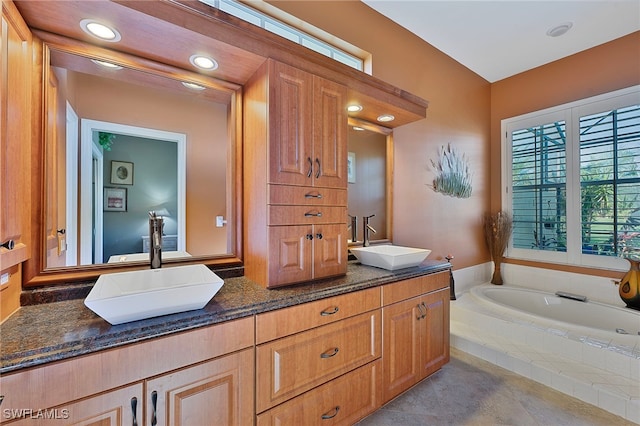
596	366
47	332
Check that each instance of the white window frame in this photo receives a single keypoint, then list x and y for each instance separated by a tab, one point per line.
570	113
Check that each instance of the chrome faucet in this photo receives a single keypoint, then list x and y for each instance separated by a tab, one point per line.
155	240
366	228
354	228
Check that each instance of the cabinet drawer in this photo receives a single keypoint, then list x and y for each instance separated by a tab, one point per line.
402	290
305	195
290	366
284	322
342	401
306	215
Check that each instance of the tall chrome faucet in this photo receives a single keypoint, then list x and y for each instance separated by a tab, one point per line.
155	240
354	228
366	228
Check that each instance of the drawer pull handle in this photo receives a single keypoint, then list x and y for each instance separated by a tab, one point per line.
9	244
327	354
312	195
327	313
425	309
154	404
422	314
310	167
318	171
331	414
134	411
310	214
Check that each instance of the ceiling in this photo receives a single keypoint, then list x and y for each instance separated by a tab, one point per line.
498	39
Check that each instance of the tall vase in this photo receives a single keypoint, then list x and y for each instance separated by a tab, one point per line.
629	288
497	275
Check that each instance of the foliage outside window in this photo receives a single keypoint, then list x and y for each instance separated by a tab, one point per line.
573	180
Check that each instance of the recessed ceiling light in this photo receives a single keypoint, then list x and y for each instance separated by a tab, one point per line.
100	30
106	64
354	108
559	30
384	118
192	86
359	129
203	62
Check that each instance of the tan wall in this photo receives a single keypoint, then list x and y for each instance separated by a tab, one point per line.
459	106
204	123
605	68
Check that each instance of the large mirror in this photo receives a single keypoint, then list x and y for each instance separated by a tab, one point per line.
121	142
370	162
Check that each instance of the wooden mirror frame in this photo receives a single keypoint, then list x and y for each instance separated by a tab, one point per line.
388	178
35	272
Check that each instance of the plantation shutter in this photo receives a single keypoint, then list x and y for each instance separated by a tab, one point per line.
610	181
539	187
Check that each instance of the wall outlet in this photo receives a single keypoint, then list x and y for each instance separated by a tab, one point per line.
220	222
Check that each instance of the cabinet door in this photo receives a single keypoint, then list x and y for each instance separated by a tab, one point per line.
15	135
402	330
115	408
329	134
218	392
291	128
290	254
329	250
436	345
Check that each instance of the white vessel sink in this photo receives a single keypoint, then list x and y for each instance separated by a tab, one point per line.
129	296
390	257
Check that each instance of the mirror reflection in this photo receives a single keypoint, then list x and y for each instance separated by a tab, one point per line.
119	146
368	176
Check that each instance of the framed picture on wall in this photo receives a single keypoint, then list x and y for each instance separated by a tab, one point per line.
351	167
115	199
121	173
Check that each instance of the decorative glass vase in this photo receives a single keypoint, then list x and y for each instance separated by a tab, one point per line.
629	285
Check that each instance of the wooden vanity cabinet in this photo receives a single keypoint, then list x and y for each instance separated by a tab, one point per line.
15	139
310	357
183	379
415	331
295	176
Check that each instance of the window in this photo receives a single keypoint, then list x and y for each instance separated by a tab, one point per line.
572	178
270	24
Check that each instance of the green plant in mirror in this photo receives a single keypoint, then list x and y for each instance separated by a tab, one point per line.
105	140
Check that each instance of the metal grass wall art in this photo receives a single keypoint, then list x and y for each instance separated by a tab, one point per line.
452	173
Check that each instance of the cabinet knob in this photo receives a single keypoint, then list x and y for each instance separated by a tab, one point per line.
9	244
309	237
331	414
319	236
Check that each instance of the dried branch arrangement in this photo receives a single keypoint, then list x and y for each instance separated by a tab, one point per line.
497	231
453	175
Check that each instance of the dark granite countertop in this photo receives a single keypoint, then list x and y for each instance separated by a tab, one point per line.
42	333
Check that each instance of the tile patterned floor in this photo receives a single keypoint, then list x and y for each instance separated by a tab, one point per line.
471	391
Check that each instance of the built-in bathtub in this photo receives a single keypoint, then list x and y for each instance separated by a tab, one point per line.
568	345
564	309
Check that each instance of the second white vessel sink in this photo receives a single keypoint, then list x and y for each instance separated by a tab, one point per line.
129	296
390	257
